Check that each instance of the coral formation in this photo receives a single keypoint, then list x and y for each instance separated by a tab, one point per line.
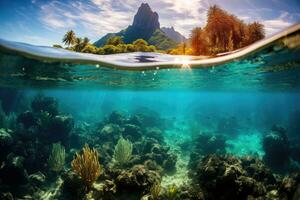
276	147
56	160
205	144
132	132
155	191
87	165
228	177
123	151
5	138
136	180
45	104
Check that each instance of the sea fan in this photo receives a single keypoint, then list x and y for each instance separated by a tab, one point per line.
123	151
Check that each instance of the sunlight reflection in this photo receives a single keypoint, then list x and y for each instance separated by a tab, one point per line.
185	63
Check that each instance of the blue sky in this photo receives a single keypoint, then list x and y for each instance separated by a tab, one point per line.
44	22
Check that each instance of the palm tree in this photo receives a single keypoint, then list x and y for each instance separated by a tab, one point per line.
86	41
69	38
78	44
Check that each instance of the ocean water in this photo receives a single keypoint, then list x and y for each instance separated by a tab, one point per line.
176	112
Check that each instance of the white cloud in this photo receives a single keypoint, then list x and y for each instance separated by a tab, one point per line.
185	14
95	18
273	26
98	17
244	17
263	15
276	25
52	16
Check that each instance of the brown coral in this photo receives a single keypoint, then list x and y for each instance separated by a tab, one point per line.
87	165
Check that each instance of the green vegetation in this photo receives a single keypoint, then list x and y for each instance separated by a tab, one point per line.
56	160
223	32
123	151
158	38
114	45
57	46
161	41
115	41
181	49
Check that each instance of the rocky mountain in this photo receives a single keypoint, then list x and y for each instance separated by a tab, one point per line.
173	34
145	19
146	26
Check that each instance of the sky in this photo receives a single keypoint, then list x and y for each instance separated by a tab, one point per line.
44	22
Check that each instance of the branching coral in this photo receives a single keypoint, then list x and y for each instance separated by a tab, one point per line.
87	165
123	151
56	160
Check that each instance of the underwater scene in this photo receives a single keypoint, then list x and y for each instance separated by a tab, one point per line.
149	114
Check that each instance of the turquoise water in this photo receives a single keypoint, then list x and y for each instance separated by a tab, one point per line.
237	106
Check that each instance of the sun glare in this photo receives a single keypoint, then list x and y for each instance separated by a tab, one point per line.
185	63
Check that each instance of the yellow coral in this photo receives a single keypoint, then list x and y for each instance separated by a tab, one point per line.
171	192
87	165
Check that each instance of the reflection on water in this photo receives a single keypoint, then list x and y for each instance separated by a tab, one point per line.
145	59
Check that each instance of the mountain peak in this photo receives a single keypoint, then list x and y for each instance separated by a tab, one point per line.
146	19
145	26
145	6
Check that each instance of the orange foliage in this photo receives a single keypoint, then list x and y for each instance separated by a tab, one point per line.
224	32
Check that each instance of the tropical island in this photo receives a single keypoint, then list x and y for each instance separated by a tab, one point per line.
223	32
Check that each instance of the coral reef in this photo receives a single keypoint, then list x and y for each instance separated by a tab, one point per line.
45	104
205	144
228	177
55	129
141	159
136	180
132	132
